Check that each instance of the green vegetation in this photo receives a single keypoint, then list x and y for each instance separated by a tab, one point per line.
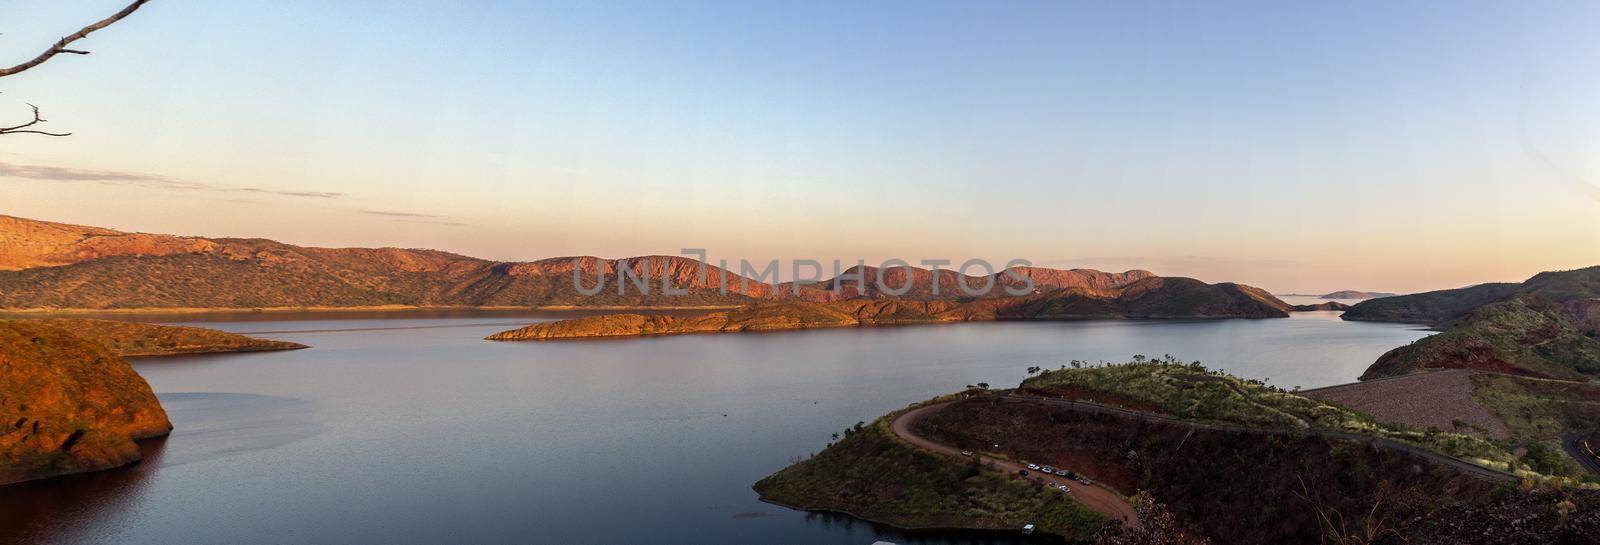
1546	459
1191	391
1539	410
872	475
1548	326
1520	335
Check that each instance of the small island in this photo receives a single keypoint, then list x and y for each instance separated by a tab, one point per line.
1355	294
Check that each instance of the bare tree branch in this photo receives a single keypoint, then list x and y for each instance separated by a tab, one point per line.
61	46
24	128
56	49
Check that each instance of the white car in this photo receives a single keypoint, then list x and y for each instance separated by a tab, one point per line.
1034	467
966	453
1061	473
1064	488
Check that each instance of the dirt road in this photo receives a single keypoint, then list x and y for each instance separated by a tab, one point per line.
1101	499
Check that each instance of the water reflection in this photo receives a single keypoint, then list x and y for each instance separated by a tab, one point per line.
73	508
848	525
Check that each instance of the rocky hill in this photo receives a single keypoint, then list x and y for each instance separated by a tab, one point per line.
1149	298
54	266
1330	305
1430	307
57	266
1353	294
1548	326
921	283
68	404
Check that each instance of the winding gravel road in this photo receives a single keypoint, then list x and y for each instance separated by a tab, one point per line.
1101	499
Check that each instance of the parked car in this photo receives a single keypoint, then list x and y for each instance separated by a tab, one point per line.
1022	472
1047	469
966	453
1034	467
1064	489
1085	480
1062	473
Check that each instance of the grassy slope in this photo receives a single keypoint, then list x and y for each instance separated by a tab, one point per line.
1521	336
1539	414
1548	326
1190	391
870	474
1539	409
1245	489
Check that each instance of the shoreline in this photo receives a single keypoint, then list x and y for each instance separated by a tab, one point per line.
908	529
379	308
885	324
240	350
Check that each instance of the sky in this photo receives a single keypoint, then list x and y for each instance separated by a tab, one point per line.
1294	146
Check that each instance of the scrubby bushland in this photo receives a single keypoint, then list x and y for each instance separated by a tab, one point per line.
870	474
1236	487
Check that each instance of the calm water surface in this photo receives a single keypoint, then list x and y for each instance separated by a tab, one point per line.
409	429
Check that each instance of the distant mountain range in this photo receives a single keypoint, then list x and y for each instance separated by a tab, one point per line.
1353	294
53	266
1548	326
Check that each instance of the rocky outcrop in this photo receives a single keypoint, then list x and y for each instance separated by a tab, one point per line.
68	404
1149	298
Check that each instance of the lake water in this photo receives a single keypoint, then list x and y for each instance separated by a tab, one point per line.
409	429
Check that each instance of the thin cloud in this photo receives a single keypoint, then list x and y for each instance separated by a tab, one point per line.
109	177
138	179
309	194
415	217
436	222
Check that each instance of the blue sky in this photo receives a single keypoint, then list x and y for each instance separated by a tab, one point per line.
1365	145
